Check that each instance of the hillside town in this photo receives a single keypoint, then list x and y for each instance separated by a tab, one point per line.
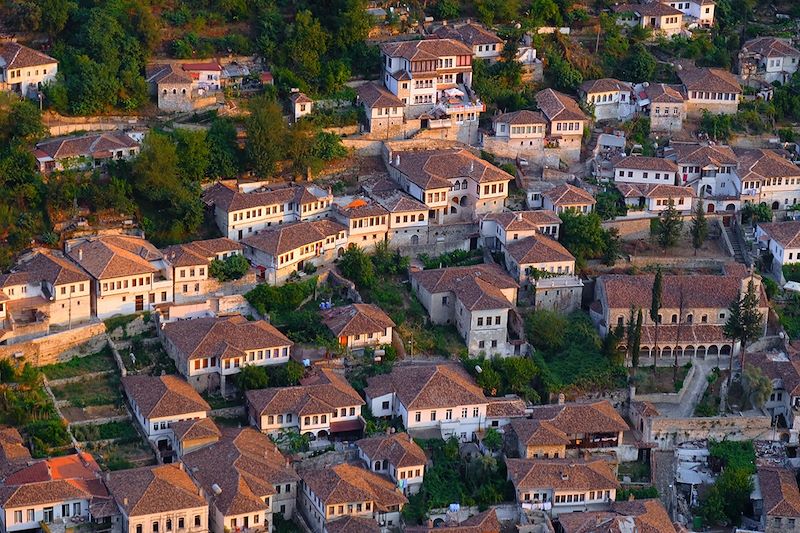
477	266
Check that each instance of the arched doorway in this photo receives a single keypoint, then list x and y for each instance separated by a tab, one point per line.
775	206
463	201
710	208
726	350
730	207
340	251
322	434
689	351
415	240
712	351
701	352
666	352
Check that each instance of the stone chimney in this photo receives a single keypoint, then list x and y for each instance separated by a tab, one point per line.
397	160
561	398
80	254
518	216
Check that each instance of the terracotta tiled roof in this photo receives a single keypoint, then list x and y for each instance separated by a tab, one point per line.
785	369
763	164
360	208
638	162
559	106
286	237
399	449
115	256
561	474
427	386
524	220
96	145
154	489
485	522
356	319
709	79
318	394
12	447
770	47
478	287
352	524
427	49
163	396
300	98
575	418
505	408
222	337
229	199
522	116
661	93
703	155
653	9
246	465
15	56
374	96
604	85
537	249
642	516
167	74
432	169
645	190
687	333
199	252
209	65
538	433
569	195
396	201
470	34
345	483
779	490
188	430
47	266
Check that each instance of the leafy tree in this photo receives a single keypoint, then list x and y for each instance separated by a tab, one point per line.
357	266
546	329
758	385
744	323
223	152
699	228
716	125
447	9
735	484
611	246
501	10
193	154
328	146
231	268
633	339
564	76
306	44
655	309
266	135
493	439
252	377
756	213
669	227
610	204
640	65
544	13
582	235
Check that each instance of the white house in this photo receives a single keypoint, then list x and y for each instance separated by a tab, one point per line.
408	220
24	70
767	177
711	89
85	152
301	104
783	241
443	398
663	19
500	229
485	44
610	99
699	12
568	197
768	59
359	325
383	110
645	170
657	198
397	456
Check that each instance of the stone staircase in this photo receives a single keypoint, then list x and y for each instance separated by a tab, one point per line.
735	244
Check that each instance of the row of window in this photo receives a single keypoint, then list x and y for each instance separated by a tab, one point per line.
494	188
357	507
704	95
409	218
676	111
674	319
487	47
497	320
671	20
198	522
482	344
254	213
388	110
603	98
423	84
577	498
665	201
519	130
437	197
30	514
12	74
182	272
272	418
645	175
370	336
423	99
568	126
123	284
64	289
448	414
368	222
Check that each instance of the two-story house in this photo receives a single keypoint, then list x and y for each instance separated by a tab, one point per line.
693	312
205	76
783	403
408	217
454	184
367	222
397	456
44	283
129	275
420	73
609	98
563	486
501	229
645	170
193	434
695	12
568	197
711	89
323	403
666	106
768	59
284	250
383	111
779	505
710	170
157	401
663	19
190	264
657	198
52	491
158	498
85	152
477	299
783	241
767	177
209	352
565	123
547	269
301	105
517	134
429	397
485	44
245	480
344	491
635	515
24	70
359	325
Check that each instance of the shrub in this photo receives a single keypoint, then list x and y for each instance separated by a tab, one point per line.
231	268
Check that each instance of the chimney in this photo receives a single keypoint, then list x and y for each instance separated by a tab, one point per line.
80	254
180	465
397	160
561	398
125	502
518	216
472	166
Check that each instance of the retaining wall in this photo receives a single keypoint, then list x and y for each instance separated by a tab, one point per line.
58	347
669	432
669	397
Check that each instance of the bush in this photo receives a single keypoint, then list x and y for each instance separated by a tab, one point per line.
231	268
268	298
792	272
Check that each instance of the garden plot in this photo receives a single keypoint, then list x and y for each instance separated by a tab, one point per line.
117	445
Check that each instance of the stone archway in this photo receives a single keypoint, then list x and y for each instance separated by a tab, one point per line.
415	240
689	351
322	434
776	206
712	351
701	352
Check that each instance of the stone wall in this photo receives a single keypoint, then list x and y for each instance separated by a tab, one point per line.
502	147
667	433
364	147
671	397
59	347
630	228
440	239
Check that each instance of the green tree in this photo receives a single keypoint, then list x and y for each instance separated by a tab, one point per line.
447	9
753	213
758	385
669	227
633	339
564	76
699	228
266	135
156	169
744	324
231	268
544	13
640	65
306	44
493	439
193	154
251	377
357	266
582	235
655	310
223	152
545	329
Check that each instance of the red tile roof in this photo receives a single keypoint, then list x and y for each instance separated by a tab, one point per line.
558	106
115	256
485	522
561	474
345	483
787	234
569	195
604	85
577	418
524	220
45	265
537	249
709	79
642	516
15	55
470	34
432	169
374	96
770	47
779	491
658	164
399	449
356	319
155	489
426	386
478	287
318	394
163	396
427	49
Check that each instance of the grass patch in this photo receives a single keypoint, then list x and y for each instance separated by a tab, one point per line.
148	355
451	259
77	366
216	401
104	390
662	381
638	471
122	321
124	431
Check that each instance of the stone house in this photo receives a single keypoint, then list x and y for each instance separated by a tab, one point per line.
190	435
84	152
171	86
635	515
657	198
408	221
382	109
158	498
24	70
209	352
563	486
662	18
397	456
568	197
768	59
367	222
485	44
767	177
779	505
666	106
565	123
517	134
358	326
190	264
609	98
206	76
431	399
323	404
784	371
245	480
344	491
501	229
128	274
477	299
783	241
710	170
711	89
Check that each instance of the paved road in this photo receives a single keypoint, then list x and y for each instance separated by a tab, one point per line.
693	395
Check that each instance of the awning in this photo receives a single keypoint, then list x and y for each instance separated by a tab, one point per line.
346	425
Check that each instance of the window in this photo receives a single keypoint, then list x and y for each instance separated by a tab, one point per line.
181	524
480	321
138	528
448	415
463	412
197	522
385	405
417	416
31	516
155	527
169	524
433	416
76	509
481	344
17	517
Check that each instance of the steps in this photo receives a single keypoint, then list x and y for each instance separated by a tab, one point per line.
735	244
